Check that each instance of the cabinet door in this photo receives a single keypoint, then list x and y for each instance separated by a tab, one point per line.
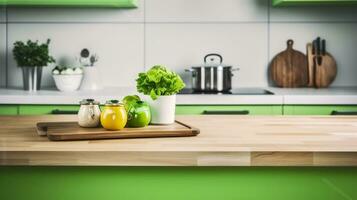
319	109
8	109
227	110
47	109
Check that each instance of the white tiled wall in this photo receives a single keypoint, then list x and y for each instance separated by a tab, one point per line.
183	45
2	14
119	47
206	10
178	33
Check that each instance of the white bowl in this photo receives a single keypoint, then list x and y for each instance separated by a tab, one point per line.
68	82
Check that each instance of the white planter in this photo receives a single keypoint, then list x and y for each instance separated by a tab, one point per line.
91	79
162	109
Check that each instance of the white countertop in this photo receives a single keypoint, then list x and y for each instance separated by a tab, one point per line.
296	96
312	96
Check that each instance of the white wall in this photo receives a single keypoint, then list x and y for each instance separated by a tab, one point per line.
178	33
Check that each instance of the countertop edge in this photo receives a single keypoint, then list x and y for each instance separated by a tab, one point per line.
199	159
282	96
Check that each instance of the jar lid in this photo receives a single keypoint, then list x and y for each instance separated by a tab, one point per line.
113	102
89	102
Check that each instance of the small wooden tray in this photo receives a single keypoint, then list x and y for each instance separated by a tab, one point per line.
60	131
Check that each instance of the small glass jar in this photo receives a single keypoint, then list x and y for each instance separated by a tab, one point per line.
114	116
89	113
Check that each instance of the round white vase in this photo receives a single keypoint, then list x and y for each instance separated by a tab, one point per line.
91	79
162	109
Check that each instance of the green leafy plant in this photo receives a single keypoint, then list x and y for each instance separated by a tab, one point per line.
32	54
159	81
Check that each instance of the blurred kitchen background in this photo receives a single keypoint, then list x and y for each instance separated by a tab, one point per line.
178	33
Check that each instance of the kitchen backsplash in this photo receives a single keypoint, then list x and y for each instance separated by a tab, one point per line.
178	33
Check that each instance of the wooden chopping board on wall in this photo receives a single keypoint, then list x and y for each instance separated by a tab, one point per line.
288	69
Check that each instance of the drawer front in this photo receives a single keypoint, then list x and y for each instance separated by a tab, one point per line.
229	110
177	183
47	109
8	109
319	110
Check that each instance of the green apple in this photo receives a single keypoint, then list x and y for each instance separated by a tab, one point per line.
139	114
129	100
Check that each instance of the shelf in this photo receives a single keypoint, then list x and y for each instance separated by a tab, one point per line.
72	3
313	2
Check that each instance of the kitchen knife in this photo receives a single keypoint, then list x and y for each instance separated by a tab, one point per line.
318	51
323	47
318	46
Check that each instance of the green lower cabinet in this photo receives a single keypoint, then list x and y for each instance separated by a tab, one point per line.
198	109
45	109
317	109
177	183
180	110
8	109
241	109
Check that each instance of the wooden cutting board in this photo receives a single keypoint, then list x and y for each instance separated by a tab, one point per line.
288	69
60	131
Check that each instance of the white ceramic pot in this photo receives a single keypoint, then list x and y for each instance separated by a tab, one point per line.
162	109
89	116
68	83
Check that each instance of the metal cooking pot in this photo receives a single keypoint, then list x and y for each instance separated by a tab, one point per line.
213	76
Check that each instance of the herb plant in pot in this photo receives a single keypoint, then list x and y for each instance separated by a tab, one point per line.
31	57
161	86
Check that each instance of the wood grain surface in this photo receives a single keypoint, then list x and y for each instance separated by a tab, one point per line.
310	65
64	131
288	69
326	72
223	141
320	75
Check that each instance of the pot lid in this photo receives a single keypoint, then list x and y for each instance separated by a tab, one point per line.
113	102
88	102
213	60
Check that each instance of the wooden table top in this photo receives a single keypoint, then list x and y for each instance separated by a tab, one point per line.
223	141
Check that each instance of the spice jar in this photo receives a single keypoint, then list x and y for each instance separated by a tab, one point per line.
89	113
114	116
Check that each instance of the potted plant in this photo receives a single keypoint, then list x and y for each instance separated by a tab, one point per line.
161	85
31	57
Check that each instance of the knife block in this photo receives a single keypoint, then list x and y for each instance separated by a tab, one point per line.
320	75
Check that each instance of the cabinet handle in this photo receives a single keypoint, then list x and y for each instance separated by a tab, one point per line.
64	112
225	112
334	112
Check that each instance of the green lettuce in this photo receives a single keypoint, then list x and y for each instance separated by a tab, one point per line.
159	81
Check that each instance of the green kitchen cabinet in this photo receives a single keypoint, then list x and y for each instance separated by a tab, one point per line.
8	109
318	109
313	2
232	109
177	183
180	110
45	109
197	109
72	3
